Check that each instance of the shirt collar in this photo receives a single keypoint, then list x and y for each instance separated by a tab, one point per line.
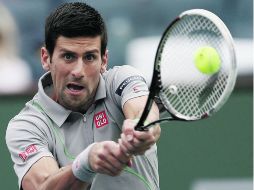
55	111
101	90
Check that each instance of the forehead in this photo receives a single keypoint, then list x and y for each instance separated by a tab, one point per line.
78	43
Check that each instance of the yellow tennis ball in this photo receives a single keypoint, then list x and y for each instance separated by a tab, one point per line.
207	60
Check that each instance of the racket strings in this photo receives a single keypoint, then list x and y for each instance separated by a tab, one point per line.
187	91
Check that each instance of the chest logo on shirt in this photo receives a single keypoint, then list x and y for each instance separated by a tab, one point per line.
100	119
28	151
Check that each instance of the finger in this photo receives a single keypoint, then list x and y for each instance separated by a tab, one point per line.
137	146
105	170
128	146
116	153
128	128
139	141
123	148
110	165
121	156
133	150
145	137
101	166
105	158
128	153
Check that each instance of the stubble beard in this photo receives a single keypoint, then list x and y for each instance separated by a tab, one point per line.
77	104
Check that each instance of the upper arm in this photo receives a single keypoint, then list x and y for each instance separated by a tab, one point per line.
27	143
125	83
130	91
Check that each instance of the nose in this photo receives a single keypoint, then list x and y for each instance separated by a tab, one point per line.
78	70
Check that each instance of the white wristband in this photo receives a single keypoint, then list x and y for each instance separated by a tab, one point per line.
81	168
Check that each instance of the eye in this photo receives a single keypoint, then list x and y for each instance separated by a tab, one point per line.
90	57
68	57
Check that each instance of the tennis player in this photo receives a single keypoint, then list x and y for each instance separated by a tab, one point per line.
78	130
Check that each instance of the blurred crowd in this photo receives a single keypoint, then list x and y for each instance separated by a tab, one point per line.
21	37
22	21
15	73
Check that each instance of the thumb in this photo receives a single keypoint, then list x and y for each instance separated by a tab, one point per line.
128	129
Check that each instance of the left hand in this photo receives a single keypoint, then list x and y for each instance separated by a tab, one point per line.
137	142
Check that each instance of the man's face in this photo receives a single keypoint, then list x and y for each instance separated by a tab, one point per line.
75	68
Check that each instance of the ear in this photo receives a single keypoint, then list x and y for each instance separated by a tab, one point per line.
104	63
45	59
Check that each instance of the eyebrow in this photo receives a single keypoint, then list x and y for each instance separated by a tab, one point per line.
87	52
65	50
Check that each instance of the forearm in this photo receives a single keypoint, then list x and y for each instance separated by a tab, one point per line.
104	157
133	109
46	175
75	176
152	116
63	179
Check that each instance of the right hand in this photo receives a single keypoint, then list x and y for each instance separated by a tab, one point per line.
137	142
107	158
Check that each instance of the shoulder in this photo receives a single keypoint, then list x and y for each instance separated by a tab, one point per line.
124	69
119	74
123	83
29	127
29	121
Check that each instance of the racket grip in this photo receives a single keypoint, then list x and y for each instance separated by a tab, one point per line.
140	125
139	128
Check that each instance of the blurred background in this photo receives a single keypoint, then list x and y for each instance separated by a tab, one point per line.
212	154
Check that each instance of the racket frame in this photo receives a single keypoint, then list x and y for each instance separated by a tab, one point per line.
156	84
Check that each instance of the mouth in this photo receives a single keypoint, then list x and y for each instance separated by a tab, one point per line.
75	88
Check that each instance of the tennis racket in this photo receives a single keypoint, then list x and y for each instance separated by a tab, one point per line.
186	93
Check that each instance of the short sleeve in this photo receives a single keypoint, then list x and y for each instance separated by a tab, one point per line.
27	143
127	83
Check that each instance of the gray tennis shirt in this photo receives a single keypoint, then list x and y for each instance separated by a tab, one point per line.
45	128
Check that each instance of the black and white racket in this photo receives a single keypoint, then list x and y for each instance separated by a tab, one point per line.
185	92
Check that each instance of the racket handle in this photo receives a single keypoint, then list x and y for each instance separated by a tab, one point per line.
141	128
140	125
146	127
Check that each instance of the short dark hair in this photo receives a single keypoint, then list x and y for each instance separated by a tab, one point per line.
75	19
